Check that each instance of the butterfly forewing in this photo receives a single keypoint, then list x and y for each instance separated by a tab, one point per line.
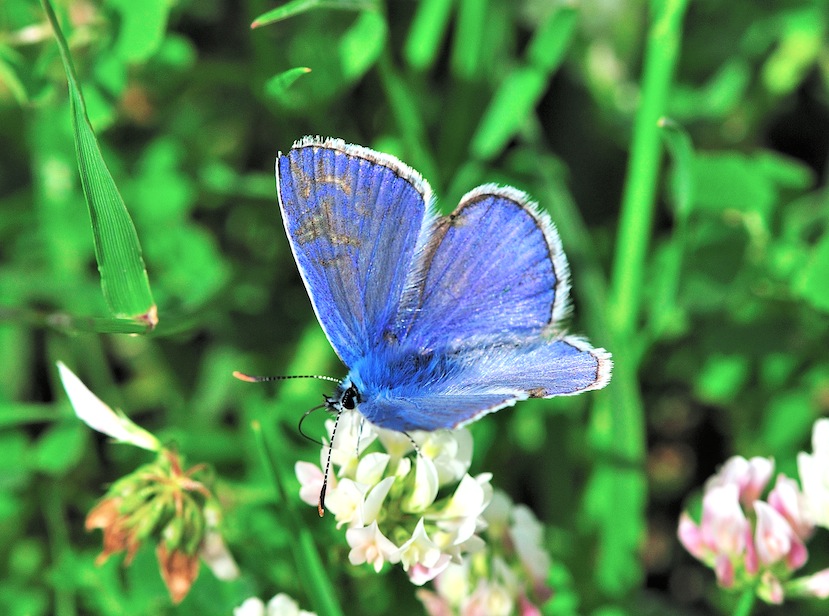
353	218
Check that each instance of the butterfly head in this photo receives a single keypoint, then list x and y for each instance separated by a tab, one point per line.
346	398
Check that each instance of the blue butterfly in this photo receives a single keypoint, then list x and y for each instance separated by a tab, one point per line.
440	319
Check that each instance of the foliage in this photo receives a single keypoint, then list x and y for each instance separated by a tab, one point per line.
681	151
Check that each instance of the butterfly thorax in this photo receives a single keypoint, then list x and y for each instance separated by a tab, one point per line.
391	376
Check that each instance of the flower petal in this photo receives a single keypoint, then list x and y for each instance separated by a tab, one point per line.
98	416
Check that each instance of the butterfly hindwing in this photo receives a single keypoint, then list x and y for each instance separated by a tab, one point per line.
454	388
353	218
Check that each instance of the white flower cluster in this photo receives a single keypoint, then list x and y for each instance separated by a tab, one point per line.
280	605
508	577
417	507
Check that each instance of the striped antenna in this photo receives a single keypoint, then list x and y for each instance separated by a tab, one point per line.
261	379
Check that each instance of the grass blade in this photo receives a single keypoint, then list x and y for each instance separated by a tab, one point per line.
521	90
297	7
428	29
276	86
307	558
124	281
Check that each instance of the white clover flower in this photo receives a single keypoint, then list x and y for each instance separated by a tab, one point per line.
419	574
775	539
815	585
346	501
371	467
384	487
396	444
493	576
283	605
311	479
460	518
425	486
454	584
750	476
369	545
419	550
352	438
758	544
814	474
451	453
489	599
98	416
279	605
374	501
250	607
215	554
527	536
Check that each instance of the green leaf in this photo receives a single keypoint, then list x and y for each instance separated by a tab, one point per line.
427	31
297	7
362	44
730	180
276	85
124	281
521	90
142	28
59	448
722	378
784	171
8	74
469	39
813	283
679	145
802	38
787	418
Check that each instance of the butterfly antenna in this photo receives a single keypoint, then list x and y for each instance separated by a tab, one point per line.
305	416
414	443
359	435
261	379
321	505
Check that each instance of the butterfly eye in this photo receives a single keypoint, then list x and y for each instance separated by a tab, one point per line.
350	398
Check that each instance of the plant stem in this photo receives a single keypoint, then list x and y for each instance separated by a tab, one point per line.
617	430
309	565
643	169
746	603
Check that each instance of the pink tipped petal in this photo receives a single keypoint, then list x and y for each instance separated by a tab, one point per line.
750	476
310	480
817	585
787	499
420	574
751	562
773	536
527	608
434	604
690	536
759	475
723	521
797	556
724	570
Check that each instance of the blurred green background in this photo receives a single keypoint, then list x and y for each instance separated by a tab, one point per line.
712	292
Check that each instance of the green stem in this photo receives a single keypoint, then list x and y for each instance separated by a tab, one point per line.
616	496
639	195
56	529
310	569
746	603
